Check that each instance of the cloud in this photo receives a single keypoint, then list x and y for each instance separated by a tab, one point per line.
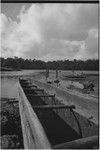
52	31
89	49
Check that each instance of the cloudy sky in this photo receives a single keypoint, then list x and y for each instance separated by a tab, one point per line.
49	31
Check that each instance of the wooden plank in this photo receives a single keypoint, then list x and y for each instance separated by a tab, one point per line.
27	137
41	95
83	143
37	132
39	90
11	100
46	107
36	89
28	85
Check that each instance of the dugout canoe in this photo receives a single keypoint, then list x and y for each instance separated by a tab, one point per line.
49	124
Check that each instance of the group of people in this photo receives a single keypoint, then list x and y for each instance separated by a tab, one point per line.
47	74
89	85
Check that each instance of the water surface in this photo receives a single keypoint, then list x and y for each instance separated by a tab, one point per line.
9	81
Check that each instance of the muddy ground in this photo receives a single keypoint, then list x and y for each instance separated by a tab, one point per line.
11	132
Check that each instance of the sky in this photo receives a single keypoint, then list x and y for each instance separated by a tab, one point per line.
49	31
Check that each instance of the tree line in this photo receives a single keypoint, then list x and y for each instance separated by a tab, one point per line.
20	63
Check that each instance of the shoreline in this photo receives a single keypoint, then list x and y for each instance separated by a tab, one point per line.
65	84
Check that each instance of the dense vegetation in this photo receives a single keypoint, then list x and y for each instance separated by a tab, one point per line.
20	63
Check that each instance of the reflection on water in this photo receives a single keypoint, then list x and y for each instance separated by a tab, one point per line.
9	81
9	87
15	74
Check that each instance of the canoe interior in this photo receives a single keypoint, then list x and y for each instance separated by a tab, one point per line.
60	125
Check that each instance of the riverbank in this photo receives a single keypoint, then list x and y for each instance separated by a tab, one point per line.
9	69
11	132
76	86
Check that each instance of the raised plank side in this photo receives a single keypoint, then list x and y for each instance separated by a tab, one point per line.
82	143
54	107
27	137
35	131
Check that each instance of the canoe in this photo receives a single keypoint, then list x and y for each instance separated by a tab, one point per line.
49	124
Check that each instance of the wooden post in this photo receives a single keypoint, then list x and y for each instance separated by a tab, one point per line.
45	107
36	89
83	143
40	95
42	90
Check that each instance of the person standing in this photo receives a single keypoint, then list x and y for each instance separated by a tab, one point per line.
47	74
56	74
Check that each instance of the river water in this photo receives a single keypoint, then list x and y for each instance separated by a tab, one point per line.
9	82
